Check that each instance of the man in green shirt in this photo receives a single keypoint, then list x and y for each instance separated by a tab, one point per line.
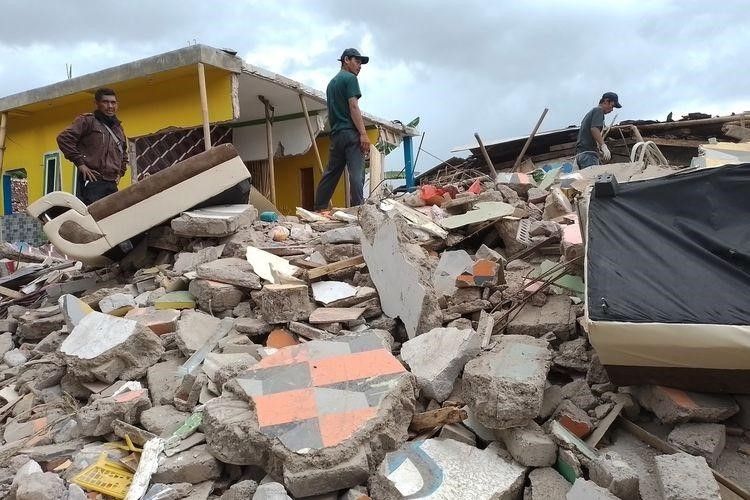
349	141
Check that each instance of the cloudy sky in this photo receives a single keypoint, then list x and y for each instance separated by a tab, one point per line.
462	67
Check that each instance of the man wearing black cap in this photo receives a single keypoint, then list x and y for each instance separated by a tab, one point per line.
349	141
590	143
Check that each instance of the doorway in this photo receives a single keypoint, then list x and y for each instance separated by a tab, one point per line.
307	188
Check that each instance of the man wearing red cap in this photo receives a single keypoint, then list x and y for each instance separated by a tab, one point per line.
349	141
590	146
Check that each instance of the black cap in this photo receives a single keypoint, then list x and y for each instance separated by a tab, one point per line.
612	97
354	53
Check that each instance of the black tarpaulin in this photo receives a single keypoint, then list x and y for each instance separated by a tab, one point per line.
672	250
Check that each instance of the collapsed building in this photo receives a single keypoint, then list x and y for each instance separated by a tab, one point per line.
449	342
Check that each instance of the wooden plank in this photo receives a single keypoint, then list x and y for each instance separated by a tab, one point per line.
565	145
436	418
336	314
604	426
319	272
528	141
11	293
680	143
305	264
665	447
485	326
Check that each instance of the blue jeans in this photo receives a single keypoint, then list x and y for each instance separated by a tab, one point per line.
344	152
587	159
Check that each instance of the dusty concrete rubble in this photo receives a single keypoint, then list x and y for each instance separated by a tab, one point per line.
384	357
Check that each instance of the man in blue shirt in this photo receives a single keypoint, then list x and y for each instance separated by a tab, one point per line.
349	141
590	140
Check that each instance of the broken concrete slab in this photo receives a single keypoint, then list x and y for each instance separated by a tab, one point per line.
320	413
547	484
214	222
191	466
505	387
610	471
327	292
685	477
706	440
588	490
557	315
46	485
163	381
325	315
252	326
574	355
175	300
458	432
189	261
271	491
96	419
437	358
269	266
579	393
481	212
215	362
163	420
482	273
194	329
36	324
105	348
283	303
214	296
160	321
452	263
230	270
347	234
464	472
673	406
117	304
529	445
397	269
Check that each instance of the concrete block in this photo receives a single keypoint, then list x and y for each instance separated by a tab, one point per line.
160	321
573	355
685	477
471	423
466	472
547	484
6	343
8	325
437	358
458	432
743	416
163	381
191	466
117	304
348	234
242	490
36	324
194	329
674	406
189	261
103	347
398	270
706	440
596	374
529	445
162	420
610	471
15	357
271	491
588	490
579	393
283	303
505	387
550	402
231	270
214	222
557	315
252	327
345	402
96	418
213	296
38	485
452	263
574	419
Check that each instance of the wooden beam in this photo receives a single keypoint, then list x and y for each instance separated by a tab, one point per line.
313	142
486	157
11	293
321	271
204	106
269	145
528	141
564	145
692	123
679	143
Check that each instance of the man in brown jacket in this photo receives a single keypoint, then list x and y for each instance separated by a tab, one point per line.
95	143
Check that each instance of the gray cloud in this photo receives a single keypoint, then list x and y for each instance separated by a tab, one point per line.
463	67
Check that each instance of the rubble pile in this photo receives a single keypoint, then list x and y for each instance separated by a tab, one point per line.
430	346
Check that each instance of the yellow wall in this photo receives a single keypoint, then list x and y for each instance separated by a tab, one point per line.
147	105
288	176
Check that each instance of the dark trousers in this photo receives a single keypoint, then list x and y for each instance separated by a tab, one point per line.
587	159
91	191
344	152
